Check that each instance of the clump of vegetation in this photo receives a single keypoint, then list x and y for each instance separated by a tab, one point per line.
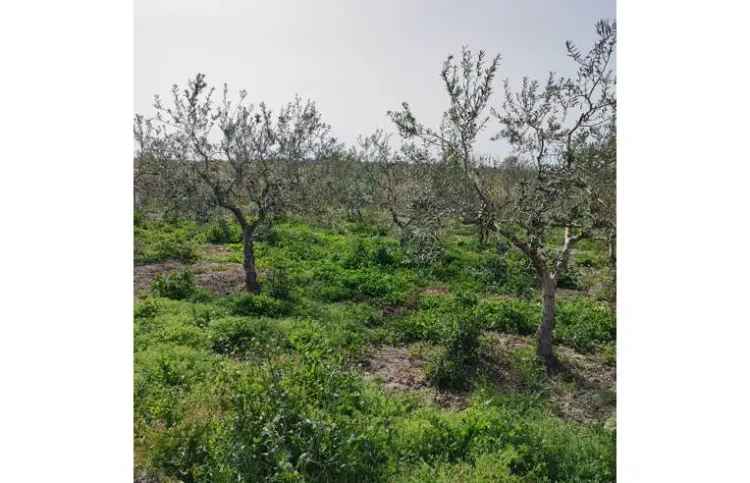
274	430
422	248
158	242
242	337
221	231
529	369
377	254
176	285
452	368
510	272
512	316
600	283
278	284
585	324
146	309
258	305
454	364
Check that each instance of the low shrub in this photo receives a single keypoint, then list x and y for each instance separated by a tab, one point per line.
221	231
532	445
157	241
169	249
570	278
520	277
276	425
452	368
338	339
268	234
370	283
146	309
447	372
278	284
258	305
511	316
383	256
334	284
584	324
507	271
241	336
358	256
334	293
421	248
435	318
176	285
528	368
139	218
363	254
170	365
425	325
600	284
201	316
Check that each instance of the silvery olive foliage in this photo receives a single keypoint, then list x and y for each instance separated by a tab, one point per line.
469	85
247	156
563	132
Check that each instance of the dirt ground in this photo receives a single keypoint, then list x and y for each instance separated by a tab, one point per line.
583	391
402	369
218	278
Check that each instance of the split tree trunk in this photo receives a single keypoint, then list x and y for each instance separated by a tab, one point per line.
251	274
544	333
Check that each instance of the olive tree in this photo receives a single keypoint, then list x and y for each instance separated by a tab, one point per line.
559	130
556	130
453	141
247	160
407	184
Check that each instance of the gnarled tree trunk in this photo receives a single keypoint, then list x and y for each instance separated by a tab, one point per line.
544	332
251	274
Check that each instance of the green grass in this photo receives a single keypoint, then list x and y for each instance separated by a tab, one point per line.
243	388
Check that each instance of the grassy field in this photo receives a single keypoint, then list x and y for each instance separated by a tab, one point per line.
358	364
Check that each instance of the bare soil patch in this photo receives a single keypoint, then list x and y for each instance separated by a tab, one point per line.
143	275
218	278
584	390
400	369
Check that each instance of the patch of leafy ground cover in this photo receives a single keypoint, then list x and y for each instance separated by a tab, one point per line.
231	388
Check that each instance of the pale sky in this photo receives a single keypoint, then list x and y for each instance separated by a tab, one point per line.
356	59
